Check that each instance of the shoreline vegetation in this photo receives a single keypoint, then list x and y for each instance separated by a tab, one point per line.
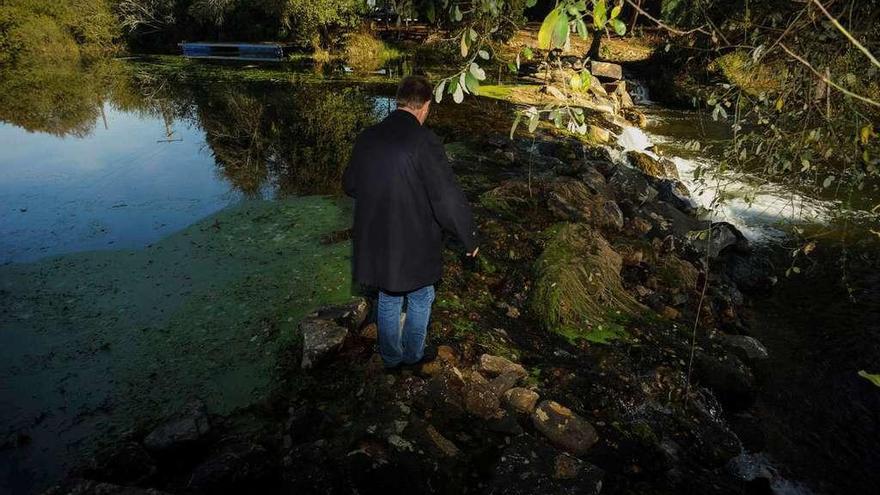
606	339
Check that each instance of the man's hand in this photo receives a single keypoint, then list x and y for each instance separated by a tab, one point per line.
473	254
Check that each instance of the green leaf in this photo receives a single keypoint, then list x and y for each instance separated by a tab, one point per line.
456	14
828	181
476	71
527	53
458	96
599	14
871	377
464	46
438	91
472	83
615	12
575	82
547	28
531	3
586	79
515	123
581	28
483	54
618	26
473	34
560	32
533	121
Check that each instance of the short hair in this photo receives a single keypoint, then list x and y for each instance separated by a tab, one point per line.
414	91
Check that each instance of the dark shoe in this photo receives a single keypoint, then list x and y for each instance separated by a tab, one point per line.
429	354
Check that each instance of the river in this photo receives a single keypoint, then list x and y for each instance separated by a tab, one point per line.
161	235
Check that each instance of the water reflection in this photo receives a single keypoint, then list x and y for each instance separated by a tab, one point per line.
117	154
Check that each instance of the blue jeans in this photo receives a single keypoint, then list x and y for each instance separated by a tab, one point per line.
408	345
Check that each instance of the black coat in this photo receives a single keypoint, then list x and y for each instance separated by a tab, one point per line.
405	195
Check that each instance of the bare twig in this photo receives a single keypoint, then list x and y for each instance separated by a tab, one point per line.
665	26
847	34
828	80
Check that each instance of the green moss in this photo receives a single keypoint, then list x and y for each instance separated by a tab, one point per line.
202	313
755	79
498	92
577	282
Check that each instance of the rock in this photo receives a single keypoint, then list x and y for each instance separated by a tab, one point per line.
235	468
181	432
564	428
504	382
567	467
606	70
320	339
445	445
750	273
506	423
598	134
676	193
745	347
88	487
618	89
611	215
350	315
657	167
727	376
447	355
126	462
521	399
479	398
724	236
528	466
635	117
627	182
497	365
593	179
443	395
370	332
670	313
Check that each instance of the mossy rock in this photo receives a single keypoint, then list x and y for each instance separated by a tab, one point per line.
509	198
577	282
754	78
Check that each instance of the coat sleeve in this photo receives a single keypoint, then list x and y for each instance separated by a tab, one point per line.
448	202
349	177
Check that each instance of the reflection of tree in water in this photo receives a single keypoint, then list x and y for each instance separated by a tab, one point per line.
296	138
299	139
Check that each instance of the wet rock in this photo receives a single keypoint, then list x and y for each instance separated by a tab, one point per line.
181	432
350	315
598	134
506	423
611	215
521	399
320	339
627	182
504	382
593	179
479	398
445	445
658	168
564	428
528	466
724	237
236	468
497	365
676	193
727	376
753	273
605	70
88	487
745	347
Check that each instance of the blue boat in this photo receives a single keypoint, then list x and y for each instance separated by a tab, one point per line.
234	51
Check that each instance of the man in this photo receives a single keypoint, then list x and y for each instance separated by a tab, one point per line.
405	195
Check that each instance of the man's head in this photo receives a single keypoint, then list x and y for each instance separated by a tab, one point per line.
414	95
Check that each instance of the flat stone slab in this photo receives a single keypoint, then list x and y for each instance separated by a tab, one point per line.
320	339
606	70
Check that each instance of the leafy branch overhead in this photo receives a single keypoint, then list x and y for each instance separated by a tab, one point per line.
480	20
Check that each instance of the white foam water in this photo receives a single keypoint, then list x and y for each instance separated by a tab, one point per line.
757	209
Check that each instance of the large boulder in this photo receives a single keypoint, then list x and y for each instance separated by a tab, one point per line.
522	400
751	273
320	339
236	468
564	428
728	377
479	397
722	237
657	167
180	432
745	347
